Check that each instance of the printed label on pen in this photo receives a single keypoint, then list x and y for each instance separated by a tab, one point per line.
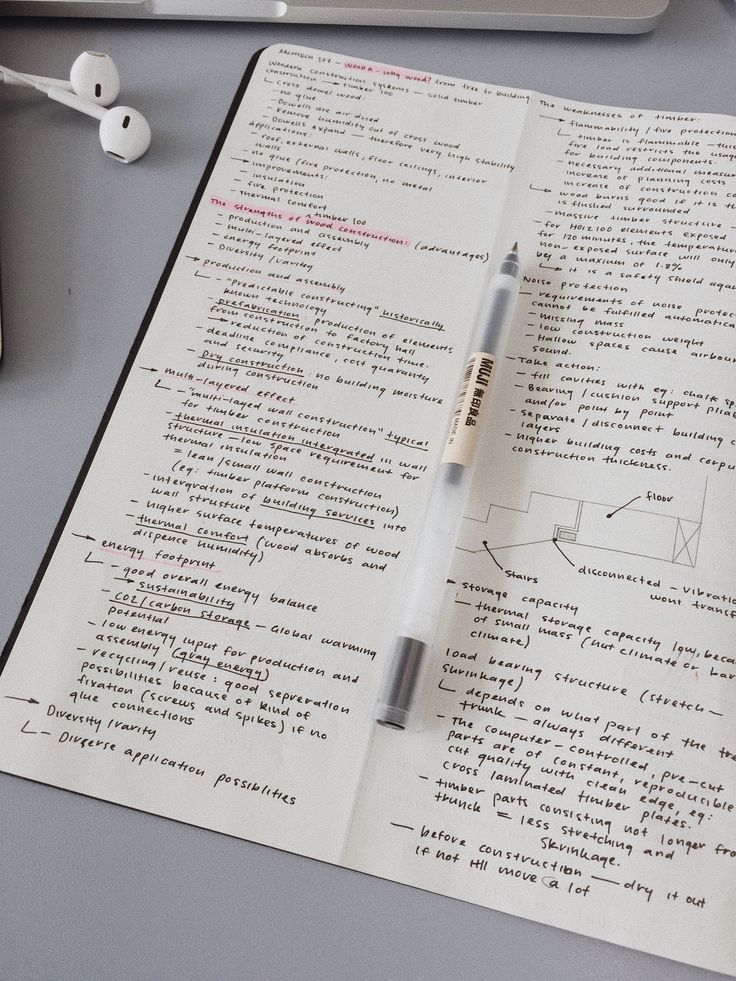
468	414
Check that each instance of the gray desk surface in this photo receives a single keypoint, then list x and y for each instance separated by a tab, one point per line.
90	891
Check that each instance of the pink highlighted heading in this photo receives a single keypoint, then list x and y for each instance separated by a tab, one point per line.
388	71
310	221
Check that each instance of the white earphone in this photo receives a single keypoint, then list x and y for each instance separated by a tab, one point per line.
93	76
93	84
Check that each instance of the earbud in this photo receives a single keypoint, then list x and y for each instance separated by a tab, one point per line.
124	133
93	77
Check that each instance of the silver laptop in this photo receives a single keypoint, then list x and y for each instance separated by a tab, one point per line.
599	16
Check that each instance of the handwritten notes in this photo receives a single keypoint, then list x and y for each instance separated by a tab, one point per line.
209	636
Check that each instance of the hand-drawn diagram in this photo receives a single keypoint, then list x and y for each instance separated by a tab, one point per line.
634	528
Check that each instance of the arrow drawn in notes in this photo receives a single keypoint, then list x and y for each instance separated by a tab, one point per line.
485	546
17	698
154	370
87	538
554	542
623	506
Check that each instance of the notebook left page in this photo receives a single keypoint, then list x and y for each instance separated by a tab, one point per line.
203	643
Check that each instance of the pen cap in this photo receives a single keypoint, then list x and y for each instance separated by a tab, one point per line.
400	683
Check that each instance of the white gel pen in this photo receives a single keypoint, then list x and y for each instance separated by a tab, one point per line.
425	583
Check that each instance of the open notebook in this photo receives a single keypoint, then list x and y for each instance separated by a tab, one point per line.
207	637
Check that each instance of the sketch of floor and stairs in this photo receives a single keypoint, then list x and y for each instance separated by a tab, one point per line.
639	527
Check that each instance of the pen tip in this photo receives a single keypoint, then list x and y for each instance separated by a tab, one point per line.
515	247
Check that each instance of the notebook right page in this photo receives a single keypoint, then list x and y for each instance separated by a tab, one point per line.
574	757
